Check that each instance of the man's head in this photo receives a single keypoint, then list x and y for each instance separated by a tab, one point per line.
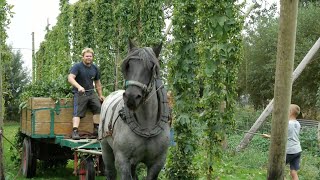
294	110
87	56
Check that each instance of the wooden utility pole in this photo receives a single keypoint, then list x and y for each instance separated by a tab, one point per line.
33	60
1	119
283	88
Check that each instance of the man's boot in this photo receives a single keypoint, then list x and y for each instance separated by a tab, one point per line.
75	134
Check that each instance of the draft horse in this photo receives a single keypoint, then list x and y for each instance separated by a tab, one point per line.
134	122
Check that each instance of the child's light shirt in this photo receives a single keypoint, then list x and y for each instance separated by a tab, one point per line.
293	143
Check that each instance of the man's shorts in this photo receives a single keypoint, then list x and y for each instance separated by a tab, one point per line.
83	101
294	161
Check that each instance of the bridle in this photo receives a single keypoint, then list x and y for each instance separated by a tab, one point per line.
146	88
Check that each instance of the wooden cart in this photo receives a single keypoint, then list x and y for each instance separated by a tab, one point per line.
47	126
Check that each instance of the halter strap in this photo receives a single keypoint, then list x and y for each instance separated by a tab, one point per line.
136	83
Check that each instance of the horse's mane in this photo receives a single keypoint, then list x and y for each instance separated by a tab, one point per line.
145	54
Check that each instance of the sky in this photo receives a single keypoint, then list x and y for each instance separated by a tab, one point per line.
33	16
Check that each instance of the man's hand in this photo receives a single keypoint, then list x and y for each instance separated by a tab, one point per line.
81	89
101	98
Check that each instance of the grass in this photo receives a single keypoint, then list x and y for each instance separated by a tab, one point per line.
252	163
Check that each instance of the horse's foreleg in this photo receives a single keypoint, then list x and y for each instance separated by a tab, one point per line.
123	166
154	170
133	172
108	159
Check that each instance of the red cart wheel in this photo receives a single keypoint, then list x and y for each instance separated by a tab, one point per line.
28	159
86	169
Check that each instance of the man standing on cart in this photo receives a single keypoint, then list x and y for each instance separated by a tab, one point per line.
82	76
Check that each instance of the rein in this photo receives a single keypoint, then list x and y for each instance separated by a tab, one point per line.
147	99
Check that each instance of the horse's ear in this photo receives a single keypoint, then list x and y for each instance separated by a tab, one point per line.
131	46
157	49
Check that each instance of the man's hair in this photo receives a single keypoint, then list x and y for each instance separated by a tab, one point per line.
294	109
87	50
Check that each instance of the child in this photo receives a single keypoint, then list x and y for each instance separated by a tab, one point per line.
293	148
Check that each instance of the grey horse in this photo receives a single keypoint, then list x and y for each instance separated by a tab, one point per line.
134	122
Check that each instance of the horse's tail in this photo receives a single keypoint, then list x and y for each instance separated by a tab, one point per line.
109	112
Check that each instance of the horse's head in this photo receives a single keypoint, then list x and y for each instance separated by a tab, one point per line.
139	69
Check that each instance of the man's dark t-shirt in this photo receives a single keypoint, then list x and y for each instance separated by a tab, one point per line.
85	76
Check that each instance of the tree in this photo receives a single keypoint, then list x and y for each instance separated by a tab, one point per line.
256	77
16	77
283	87
5	13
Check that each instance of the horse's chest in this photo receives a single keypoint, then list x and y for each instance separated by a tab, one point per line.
135	146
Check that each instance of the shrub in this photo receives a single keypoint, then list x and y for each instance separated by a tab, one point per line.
308	139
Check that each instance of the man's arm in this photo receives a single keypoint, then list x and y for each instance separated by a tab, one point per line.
73	82
99	89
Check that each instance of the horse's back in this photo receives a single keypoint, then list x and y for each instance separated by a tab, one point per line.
109	111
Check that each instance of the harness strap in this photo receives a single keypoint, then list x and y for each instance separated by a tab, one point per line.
136	83
111	126
113	105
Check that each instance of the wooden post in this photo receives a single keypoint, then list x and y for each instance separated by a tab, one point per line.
283	88
267	111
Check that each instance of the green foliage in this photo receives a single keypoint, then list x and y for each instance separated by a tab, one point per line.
16	78
103	22
53	57
5	53
82	32
304	90
55	89
102	25
16	147
309	140
256	77
218	32
246	116
182	78
202	74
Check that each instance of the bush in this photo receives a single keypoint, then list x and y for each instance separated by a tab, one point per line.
309	140
246	116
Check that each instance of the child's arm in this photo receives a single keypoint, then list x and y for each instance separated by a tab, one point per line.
265	136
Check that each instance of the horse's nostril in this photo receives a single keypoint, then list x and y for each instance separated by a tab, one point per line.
138	97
